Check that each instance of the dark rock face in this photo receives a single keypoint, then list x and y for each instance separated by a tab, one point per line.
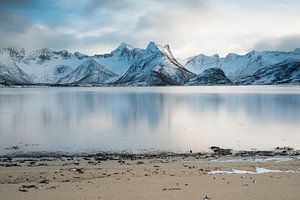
282	73
211	76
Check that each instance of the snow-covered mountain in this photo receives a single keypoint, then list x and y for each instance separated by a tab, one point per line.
155	65
89	72
281	73
10	73
119	60
238	66
40	66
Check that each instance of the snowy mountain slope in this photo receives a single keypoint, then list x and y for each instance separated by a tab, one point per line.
155	65
281	73
13	75
119	60
89	72
10	73
211	76
237	66
48	66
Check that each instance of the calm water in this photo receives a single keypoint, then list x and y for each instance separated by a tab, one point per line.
139	119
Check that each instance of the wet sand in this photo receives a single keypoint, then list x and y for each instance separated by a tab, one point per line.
151	178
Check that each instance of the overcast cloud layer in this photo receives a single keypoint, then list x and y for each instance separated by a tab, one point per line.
189	26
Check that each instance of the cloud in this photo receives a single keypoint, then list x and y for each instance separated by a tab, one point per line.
13	22
285	43
189	26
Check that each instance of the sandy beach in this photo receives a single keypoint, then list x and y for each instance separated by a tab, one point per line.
150	178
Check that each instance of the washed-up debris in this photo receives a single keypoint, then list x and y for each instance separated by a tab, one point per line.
21	189
24	188
140	163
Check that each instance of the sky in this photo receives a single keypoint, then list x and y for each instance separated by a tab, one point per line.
190	27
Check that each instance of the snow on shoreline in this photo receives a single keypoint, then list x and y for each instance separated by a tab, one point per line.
258	170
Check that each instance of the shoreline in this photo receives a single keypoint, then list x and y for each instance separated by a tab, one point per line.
181	176
213	152
125	86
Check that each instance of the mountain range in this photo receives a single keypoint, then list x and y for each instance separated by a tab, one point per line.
153	66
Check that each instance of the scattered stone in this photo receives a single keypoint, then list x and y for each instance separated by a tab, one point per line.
21	189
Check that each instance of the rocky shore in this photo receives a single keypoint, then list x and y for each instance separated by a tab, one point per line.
217	174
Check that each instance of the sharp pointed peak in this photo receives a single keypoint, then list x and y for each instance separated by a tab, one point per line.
152	46
123	47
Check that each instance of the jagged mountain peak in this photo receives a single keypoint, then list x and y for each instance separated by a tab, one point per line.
153	47
46	53
122	49
155	66
14	53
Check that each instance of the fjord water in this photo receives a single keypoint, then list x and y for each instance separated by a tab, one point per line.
149	119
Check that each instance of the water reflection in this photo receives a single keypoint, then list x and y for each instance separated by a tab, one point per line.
80	119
